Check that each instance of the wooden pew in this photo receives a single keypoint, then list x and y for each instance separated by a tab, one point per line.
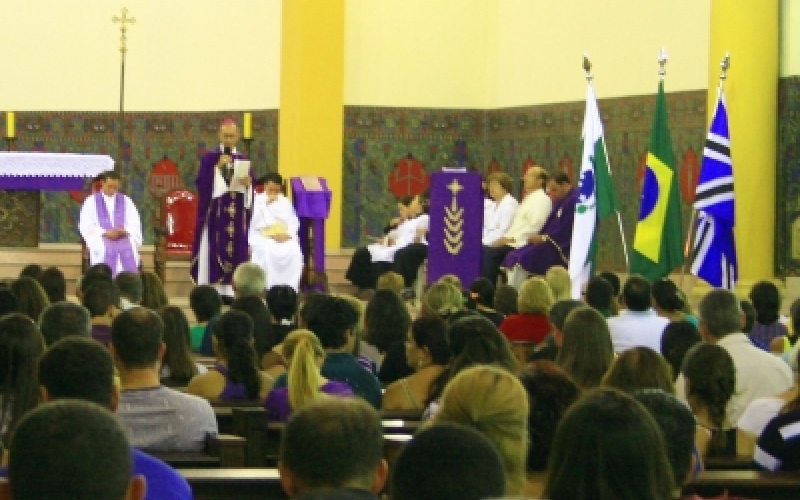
223	410
747	484
222	451
241	484
264	437
729	463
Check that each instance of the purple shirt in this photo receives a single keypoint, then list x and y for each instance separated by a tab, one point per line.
279	409
102	334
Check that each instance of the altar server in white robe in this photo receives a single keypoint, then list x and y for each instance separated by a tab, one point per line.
411	230
497	220
273	234
111	227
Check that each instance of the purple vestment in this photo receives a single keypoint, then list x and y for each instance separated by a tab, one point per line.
116	251
227	221
537	259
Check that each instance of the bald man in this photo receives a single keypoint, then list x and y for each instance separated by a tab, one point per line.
223	214
528	220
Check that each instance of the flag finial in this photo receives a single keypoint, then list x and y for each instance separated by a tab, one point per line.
587	67
663	57
725	65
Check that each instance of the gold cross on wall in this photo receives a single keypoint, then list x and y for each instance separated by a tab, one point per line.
124	20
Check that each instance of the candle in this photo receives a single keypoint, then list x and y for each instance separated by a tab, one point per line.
248	125
11	125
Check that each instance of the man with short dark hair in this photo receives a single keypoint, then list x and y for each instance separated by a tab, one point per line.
600	295
551	245
64	319
70	450
333	443
448	462
157	418
81	368
54	284
130	288
758	373
111	227
638	324
332	320
102	301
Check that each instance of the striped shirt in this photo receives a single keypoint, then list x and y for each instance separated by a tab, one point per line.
778	448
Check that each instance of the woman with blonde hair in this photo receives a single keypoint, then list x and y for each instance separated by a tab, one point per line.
304	355
561	285
533	303
443	300
494	402
585	351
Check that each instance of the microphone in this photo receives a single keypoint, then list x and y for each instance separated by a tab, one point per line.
229	168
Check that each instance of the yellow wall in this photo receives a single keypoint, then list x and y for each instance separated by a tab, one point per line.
790	38
541	45
500	53
184	55
417	53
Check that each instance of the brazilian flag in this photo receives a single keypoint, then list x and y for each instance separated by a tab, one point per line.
657	247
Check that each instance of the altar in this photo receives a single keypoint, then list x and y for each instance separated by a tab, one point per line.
24	174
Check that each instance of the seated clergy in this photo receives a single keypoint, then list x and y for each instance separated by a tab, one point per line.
273	234
370	262
110	226
552	245
497	221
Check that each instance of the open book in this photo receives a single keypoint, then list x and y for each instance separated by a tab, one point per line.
241	168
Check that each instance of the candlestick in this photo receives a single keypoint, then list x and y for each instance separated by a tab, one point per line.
11	125
248	126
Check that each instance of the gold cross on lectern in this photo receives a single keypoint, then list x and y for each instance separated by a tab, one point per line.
455	187
124	20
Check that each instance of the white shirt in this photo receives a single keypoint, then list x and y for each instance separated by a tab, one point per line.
759	374
531	215
636	328
758	414
498	219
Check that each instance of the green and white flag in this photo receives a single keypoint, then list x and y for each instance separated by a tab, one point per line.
596	199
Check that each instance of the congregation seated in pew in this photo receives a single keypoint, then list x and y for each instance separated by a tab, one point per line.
305	383
235	375
177	367
155	417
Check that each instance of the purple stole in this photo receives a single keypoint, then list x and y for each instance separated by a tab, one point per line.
116	250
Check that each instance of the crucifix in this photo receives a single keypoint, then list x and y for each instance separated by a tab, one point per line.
123	21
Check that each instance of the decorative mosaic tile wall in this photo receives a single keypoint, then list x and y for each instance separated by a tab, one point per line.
182	137
787	233
377	140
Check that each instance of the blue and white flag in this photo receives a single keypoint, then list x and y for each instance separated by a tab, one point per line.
714	249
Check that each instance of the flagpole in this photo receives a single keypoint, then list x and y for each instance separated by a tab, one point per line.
587	67
725	64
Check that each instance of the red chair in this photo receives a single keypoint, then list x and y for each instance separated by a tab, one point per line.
176	228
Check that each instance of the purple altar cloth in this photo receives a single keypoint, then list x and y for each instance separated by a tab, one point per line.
454	245
42	183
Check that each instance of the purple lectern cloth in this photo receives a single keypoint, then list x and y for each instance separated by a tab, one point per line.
226	249
537	259
312	208
461	253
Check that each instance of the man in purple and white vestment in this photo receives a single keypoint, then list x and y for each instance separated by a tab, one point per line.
223	214
111	227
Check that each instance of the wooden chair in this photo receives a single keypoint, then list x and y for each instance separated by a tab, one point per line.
174	227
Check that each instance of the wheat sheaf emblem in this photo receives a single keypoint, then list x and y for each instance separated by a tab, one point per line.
454	221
